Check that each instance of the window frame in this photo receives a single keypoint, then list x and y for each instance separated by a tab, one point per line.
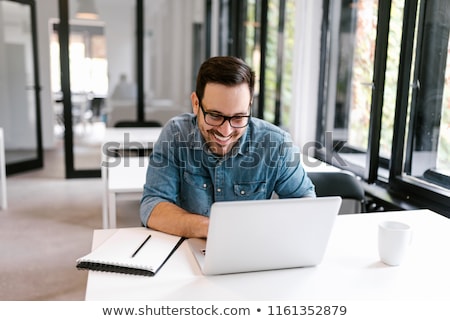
232	37
409	187
400	189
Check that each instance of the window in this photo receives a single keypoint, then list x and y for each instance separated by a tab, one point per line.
88	61
357	96
386	94
262	33
427	155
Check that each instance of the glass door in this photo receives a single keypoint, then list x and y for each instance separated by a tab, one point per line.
79	84
19	86
137	59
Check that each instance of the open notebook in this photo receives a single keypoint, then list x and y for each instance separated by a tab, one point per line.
132	251
246	236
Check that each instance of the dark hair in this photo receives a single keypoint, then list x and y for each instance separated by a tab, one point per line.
224	70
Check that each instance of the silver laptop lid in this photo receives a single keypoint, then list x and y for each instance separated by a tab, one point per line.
268	234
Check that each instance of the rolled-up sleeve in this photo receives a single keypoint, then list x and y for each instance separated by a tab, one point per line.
162	178
293	180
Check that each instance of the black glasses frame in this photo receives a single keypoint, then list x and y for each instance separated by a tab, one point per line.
224	118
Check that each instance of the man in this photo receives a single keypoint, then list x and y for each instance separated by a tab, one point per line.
218	153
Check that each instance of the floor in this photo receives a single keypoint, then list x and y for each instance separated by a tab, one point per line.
49	224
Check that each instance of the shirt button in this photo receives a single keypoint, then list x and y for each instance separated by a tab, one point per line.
204	185
242	192
219	190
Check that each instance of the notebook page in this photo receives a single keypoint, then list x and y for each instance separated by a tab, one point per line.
119	249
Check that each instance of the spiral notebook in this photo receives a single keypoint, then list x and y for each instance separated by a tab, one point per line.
140	251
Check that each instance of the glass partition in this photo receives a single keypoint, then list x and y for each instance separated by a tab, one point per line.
19	89
131	61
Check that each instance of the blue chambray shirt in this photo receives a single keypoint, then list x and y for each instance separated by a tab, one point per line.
182	170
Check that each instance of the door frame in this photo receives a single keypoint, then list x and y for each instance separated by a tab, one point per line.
38	162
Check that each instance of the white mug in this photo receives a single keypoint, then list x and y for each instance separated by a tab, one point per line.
394	239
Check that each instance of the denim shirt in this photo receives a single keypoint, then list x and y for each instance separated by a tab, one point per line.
184	172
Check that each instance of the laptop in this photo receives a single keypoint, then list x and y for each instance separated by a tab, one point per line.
260	235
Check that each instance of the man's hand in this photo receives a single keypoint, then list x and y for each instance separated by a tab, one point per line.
169	218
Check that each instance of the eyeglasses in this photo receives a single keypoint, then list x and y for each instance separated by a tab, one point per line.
216	119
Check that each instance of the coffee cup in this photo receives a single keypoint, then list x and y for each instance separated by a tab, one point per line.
394	238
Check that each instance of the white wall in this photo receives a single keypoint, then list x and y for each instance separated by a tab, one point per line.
171	50
45	10
4	95
119	19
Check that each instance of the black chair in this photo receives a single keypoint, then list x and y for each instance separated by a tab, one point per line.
344	184
134	123
141	152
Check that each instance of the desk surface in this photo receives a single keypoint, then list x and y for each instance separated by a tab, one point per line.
350	270
126	136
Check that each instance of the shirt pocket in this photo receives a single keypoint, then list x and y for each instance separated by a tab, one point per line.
250	190
197	181
195	194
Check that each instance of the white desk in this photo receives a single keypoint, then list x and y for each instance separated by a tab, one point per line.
351	269
3	199
123	175
125	180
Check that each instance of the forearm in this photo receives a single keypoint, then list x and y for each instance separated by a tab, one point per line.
170	218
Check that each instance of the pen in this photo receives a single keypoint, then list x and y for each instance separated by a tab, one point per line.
140	246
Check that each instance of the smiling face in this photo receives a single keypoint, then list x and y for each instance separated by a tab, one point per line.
226	101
